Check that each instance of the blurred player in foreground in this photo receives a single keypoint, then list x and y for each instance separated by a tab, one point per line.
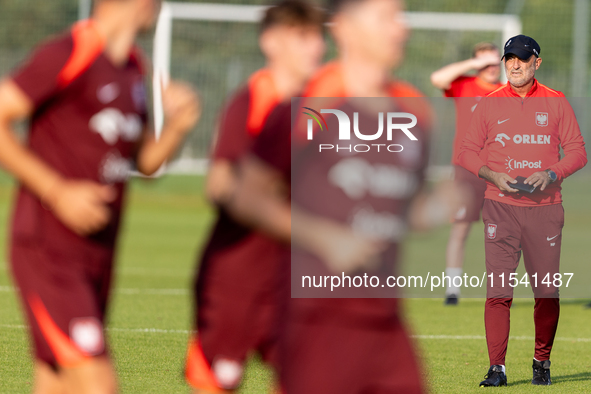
238	282
345	345
522	126
84	95
454	82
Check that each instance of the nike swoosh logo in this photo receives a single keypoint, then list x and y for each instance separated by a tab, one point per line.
550	239
108	93
499	122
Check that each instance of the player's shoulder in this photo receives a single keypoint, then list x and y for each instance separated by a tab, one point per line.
86	46
464	79
499	92
549	92
56	46
261	82
263	97
260	93
326	82
239	100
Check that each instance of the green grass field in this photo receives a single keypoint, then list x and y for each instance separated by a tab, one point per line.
165	226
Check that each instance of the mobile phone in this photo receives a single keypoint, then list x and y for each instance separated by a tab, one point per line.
521	186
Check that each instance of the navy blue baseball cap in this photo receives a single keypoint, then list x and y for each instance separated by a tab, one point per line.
522	47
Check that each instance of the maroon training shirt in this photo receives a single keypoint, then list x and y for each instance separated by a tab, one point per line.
241	122
88	117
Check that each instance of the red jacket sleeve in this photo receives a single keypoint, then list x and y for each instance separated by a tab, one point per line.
475	140
571	141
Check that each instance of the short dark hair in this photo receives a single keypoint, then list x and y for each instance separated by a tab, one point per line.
293	13
484	46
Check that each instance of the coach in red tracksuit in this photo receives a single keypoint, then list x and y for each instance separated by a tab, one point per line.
522	126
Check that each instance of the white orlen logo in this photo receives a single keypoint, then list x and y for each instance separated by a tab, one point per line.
112	124
108	93
531	139
542	119
344	133
87	334
512	164
358	178
499	138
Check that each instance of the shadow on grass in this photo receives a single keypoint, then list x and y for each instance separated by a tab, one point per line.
576	377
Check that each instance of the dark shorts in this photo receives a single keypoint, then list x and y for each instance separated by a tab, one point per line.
238	303
325	356
476	187
65	300
510	230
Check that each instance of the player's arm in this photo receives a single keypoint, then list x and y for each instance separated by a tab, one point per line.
500	179
443	77
573	146
261	202
231	141
80	205
181	112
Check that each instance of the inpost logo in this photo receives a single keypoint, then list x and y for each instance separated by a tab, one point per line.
512	164
344	132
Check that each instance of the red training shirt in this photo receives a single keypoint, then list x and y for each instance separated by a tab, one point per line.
523	136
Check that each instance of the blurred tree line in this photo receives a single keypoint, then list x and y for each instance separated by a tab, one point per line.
218	56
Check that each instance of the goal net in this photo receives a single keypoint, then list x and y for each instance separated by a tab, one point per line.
215	47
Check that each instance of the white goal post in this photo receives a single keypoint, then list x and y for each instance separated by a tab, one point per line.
507	25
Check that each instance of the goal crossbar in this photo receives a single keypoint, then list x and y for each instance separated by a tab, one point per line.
508	25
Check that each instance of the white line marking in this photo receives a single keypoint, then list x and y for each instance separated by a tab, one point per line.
115	329
480	337
456	337
153	291
176	292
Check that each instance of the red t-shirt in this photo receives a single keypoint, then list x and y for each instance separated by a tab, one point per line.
523	136
88	117
471	89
